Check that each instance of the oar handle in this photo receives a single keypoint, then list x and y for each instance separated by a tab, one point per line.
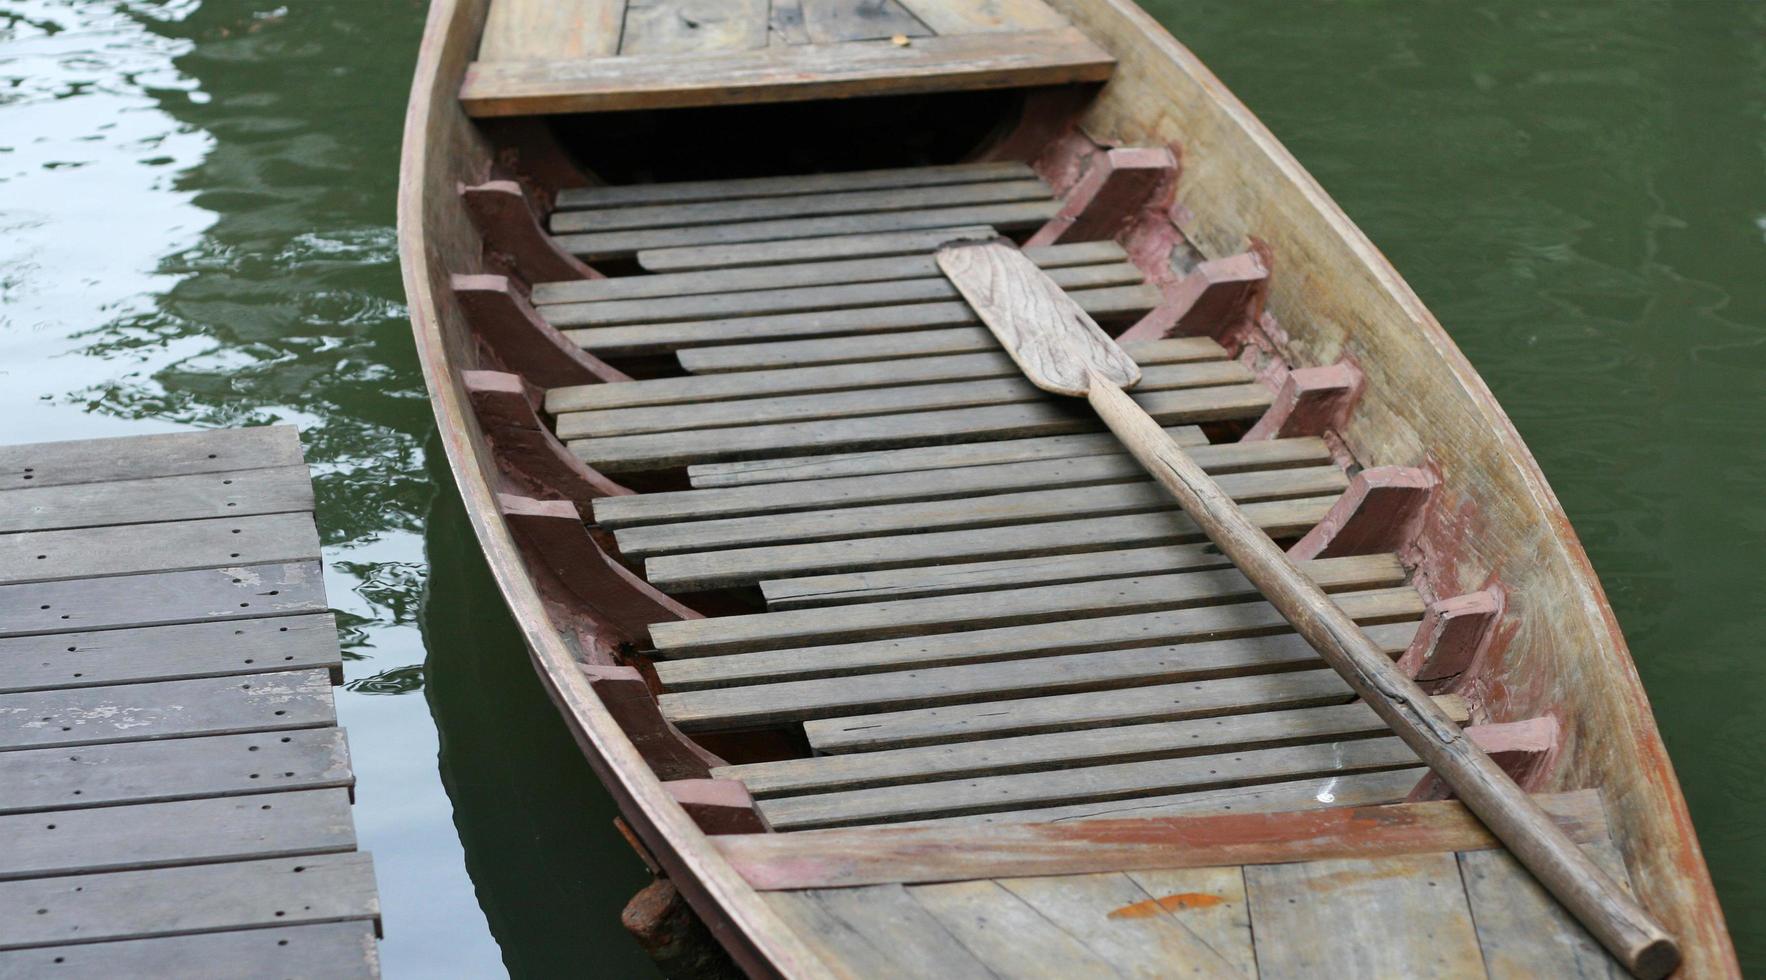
1623	926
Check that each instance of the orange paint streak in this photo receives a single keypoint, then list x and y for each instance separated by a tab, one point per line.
1168	903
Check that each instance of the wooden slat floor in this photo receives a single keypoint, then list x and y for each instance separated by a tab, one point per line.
174	788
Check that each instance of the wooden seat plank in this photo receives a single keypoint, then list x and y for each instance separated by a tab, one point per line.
990	510
910	617
200	898
876	932
1107	303
786	74
157	835
523	30
1335	918
895	399
1012	216
803	205
160	598
851	349
323	951
683	191
228	493
171	769
803	299
917	241
1102	908
742	566
1122	780
1316	793
1013	642
1030	418
802	381
86	553
916	458
167	709
760	705
747	278
1059	750
46	464
1523	931
851	491
160	653
1013	939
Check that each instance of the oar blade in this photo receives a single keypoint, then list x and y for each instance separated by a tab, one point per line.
1057	345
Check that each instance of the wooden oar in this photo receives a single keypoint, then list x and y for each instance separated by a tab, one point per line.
1061	350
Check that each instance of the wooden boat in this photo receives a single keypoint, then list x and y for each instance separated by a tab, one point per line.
898	666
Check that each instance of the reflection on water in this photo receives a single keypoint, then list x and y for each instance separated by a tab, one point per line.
196	210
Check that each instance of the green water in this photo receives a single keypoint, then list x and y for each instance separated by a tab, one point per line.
196	207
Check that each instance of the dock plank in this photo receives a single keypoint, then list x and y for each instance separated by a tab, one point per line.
226	493
168	709
326	951
160	653
113	773
1335	918
617	195
45	464
156	598
158	835
200	898
93	552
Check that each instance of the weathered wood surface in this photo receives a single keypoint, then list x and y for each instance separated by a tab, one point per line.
687	191
959	851
1010	937
1154	941
659	27
747	278
700	570
857	348
166	717
683	76
919	241
878	932
524	30
1522	930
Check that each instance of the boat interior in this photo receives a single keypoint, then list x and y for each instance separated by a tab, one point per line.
932	666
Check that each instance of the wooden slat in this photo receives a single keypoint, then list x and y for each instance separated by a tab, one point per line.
794	206
144	457
1015	216
966	851
123	656
519	30
157	835
202	898
917	241
1024	419
229	493
851	491
1353	790
803	299
326	951
1124	780
701	27
787	74
1120	921
1025	507
741	566
756	705
84	553
876	932
1110	302
1011	937
849	349
680	192
864	402
911	617
132	712
830	21
973	16
746	278
1336	918
1005	643
1057	750
153	599
1523	931
172	769
812	380
916	458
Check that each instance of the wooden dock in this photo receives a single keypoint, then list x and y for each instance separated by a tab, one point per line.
174	790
